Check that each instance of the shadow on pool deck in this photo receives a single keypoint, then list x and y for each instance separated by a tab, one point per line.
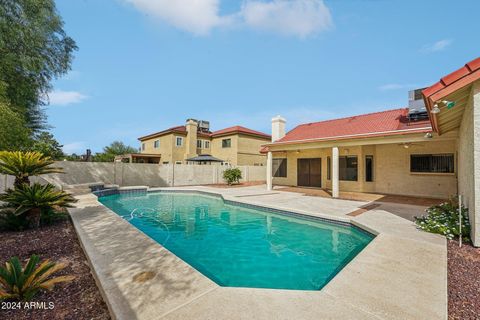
395	204
364	196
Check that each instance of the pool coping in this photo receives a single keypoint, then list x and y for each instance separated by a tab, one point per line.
117	290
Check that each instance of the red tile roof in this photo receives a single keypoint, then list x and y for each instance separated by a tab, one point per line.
226	131
450	83
390	122
177	129
239	129
469	72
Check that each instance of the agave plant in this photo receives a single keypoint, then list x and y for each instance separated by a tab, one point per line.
30	200
24	283
22	165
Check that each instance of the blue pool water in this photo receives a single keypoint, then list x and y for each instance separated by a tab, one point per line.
237	246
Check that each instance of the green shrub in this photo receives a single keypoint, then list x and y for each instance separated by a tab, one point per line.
23	283
232	175
23	165
29	202
11	222
51	215
443	219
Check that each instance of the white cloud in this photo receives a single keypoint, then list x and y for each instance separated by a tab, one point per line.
437	46
396	86
197	16
78	147
63	98
288	17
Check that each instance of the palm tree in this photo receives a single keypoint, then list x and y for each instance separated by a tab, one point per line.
30	200
22	165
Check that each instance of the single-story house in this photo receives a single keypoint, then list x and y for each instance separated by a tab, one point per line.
430	149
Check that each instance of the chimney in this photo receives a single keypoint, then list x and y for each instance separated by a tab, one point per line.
191	141
278	128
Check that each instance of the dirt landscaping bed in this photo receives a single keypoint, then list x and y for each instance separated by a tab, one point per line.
79	299
463	281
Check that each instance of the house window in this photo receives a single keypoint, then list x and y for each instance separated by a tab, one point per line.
329	168
165	162
156	144
178	162
143	146
432	163
179	141
207	144
348	168
369	168
279	167
226	143
199	144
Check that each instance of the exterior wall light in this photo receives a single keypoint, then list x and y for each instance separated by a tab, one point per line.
449	104
435	109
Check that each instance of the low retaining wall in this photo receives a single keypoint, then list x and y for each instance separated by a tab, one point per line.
134	174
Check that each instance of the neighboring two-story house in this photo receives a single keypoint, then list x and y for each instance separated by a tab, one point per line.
195	143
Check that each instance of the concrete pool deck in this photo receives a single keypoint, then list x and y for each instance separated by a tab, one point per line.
401	274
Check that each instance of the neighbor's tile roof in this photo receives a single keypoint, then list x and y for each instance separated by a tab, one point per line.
388	122
177	129
239	129
226	131
467	74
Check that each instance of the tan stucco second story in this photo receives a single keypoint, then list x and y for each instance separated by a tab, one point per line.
235	145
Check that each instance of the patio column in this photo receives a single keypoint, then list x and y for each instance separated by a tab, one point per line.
335	169
269	171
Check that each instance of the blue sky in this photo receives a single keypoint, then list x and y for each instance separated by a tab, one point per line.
145	65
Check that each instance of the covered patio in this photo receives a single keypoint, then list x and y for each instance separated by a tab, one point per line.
139	158
397	164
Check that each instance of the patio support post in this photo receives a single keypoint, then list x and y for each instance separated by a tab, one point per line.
335	169
269	171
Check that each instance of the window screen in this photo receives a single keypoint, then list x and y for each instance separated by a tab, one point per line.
329	168
279	167
348	168
226	143
369	168
432	163
179	141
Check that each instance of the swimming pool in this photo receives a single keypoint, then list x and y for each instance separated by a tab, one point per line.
242	246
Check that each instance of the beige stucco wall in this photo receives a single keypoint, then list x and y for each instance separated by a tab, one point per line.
391	169
244	150
135	174
469	160
204	150
249	151
167	150
226	154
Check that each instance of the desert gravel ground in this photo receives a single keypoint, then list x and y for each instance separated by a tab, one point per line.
463	281
79	299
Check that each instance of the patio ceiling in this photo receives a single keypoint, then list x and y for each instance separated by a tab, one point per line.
450	119
395	139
